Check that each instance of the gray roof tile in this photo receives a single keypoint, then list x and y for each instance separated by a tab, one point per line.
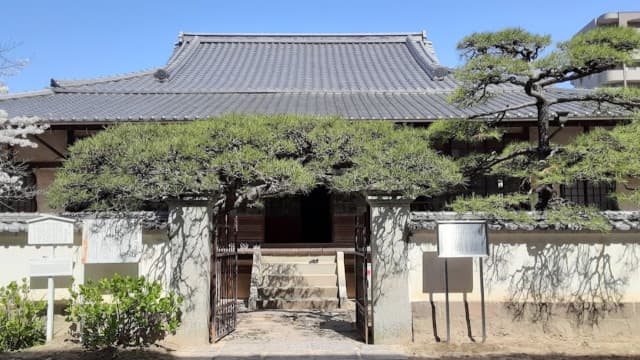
357	76
17	222
88	107
427	221
204	63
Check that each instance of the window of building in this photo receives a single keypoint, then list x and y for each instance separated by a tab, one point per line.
588	193
481	186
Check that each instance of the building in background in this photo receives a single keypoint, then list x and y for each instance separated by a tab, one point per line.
624	75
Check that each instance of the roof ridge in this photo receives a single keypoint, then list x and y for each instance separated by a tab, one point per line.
430	51
500	90
303	37
423	61
179	61
98	80
178	49
292	91
26	94
346	34
174	60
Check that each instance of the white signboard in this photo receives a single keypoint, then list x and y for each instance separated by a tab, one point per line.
47	267
462	239
50	230
111	241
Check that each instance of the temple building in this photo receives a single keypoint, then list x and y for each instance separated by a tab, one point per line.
394	77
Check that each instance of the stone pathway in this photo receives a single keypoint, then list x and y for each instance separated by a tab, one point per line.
284	334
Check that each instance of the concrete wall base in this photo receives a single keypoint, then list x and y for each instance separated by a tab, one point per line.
504	326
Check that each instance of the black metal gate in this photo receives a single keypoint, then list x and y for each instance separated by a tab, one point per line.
224	277
361	258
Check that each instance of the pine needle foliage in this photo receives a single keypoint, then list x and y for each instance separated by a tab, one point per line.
243	158
516	60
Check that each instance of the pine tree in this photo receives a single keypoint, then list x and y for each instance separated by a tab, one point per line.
516	60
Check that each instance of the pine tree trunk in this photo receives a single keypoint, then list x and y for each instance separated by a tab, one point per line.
545	192
544	114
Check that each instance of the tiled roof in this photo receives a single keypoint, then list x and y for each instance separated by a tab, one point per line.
17	222
356	76
619	221
256	64
92	107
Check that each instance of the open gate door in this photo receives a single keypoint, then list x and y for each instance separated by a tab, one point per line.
361	259
224	277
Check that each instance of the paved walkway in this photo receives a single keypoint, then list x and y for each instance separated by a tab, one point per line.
282	334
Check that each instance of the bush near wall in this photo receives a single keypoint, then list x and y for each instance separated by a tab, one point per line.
122	311
21	319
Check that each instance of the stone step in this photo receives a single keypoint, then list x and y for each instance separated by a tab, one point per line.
272	259
298	293
297	269
304	304
275	280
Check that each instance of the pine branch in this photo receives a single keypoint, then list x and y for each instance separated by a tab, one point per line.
502	112
602	97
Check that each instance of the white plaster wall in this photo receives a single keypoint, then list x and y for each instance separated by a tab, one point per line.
565	263
15	254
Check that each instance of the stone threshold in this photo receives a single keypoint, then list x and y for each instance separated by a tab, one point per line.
297	249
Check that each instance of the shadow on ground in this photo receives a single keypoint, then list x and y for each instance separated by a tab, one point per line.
293	326
332	325
148	355
77	354
530	357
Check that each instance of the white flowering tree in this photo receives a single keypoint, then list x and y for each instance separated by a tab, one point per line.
14	133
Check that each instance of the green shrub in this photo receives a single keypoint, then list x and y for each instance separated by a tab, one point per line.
21	319
122	311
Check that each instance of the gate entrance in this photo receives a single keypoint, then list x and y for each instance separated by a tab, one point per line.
224	277
361	259
294	276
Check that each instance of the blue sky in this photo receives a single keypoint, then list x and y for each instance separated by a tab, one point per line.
67	39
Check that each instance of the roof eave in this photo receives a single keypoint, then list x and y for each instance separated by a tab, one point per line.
66	122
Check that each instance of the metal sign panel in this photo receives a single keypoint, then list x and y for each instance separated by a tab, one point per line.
462	239
111	241
50	230
460	274
46	267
